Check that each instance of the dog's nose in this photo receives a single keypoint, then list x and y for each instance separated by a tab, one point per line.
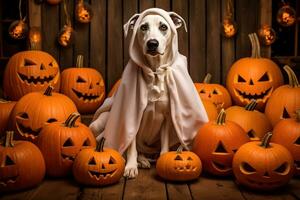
152	45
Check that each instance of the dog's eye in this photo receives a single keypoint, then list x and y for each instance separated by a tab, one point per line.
144	27
163	27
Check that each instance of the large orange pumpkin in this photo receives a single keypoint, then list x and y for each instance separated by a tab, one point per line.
85	86
211	109
253	78
285	100
30	71
5	110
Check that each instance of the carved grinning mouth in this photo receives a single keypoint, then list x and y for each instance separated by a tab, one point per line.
66	157
99	175
33	80
89	97
28	132
220	166
260	96
6	181
186	168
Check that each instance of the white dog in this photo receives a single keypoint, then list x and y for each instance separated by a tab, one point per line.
156	105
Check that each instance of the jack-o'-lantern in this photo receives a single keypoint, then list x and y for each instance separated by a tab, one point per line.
267	35
286	16
287	133
30	71
263	165
5	110
179	165
18	29
100	166
255	123
83	12
60	142
85	86
216	143
253	78
21	165
215	93
36	109
285	100
66	36
114	88
229	28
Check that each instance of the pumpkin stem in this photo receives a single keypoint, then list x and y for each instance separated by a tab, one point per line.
265	142
293	81
251	106
255	45
49	90
100	145
221	117
4	101
207	78
9	139
179	149
70	122
79	61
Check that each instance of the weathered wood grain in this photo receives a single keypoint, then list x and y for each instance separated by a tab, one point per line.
164	4
178	191
265	16
35	18
145	4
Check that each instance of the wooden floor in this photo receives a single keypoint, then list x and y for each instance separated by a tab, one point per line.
148	186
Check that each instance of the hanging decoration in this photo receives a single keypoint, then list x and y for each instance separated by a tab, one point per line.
66	34
267	35
18	28
83	12
229	26
286	15
35	37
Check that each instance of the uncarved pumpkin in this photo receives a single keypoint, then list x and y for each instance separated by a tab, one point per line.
5	110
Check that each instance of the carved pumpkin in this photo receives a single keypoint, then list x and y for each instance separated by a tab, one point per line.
285	100
253	78
60	142
211	109
30	71
5	110
255	123
85	86
114	88
215	93
179	165
100	166
263	165
287	133
21	164
216	143
36	109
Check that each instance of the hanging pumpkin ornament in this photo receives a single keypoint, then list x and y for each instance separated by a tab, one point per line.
229	26
267	35
66	34
18	29
83	12
286	15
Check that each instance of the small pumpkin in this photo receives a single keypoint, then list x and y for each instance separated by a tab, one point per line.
22	165
216	143
5	110
255	123
213	92
263	165
114	88
85	86
98	167
285	100
287	133
179	165
211	110
60	142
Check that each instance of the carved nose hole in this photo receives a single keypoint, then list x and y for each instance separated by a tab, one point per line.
42	67
251	82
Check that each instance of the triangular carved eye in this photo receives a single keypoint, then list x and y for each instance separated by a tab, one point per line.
297	142
247	168
202	91
264	77
178	157
28	63
189	158
92	161
80	80
251	133
24	115
282	168
285	113
51	64
241	79
87	142
8	161
220	148
112	160
68	143
215	91
51	120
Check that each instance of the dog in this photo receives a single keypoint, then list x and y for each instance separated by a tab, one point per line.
156	105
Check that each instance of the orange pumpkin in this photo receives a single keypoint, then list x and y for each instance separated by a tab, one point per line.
215	93
114	88
5	110
30	71
22	165
255	123
211	110
285	100
253	78
263	165
60	142
100	166
216	143
85	86
36	109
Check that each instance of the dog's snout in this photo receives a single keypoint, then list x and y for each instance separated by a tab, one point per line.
152	45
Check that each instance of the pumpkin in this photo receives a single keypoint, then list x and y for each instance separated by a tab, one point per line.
215	93
114	88
21	164
5	110
255	123
285	100
30	71
253	78
36	109
287	133
211	110
60	142
100	166
216	142
85	86
179	165
263	165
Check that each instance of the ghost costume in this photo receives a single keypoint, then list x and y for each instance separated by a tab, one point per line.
150	103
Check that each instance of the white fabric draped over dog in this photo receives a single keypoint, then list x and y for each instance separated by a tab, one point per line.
122	114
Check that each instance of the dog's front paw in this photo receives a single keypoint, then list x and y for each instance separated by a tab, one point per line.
143	162
131	171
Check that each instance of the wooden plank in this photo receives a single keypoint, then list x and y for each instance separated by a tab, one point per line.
197	46
145	186
145	4
164	4
294	188
35	17
24	195
265	13
178	191
213	35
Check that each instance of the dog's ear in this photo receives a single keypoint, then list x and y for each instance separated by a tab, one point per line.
130	24
177	20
